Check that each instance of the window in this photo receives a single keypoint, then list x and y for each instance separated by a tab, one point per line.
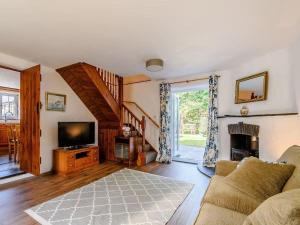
9	106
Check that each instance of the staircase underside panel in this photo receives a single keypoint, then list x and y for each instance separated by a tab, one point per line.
86	89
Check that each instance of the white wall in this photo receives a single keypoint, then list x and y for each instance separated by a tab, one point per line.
281	96
276	133
146	95
75	109
295	69
9	78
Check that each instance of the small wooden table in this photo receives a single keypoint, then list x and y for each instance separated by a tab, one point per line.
68	161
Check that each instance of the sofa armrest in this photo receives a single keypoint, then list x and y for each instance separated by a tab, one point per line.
225	167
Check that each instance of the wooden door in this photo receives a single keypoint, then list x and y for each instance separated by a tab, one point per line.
30	120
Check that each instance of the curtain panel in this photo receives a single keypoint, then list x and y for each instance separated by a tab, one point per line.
165	153
211	150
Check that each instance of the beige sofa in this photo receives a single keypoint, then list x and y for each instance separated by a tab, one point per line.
218	213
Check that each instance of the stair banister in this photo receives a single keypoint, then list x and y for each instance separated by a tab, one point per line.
143	125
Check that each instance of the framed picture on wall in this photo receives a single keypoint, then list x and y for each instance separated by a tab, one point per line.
56	102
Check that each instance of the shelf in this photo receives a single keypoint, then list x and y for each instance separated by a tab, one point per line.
258	115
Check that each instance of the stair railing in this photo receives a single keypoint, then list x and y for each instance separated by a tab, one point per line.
152	132
143	112
114	83
128	117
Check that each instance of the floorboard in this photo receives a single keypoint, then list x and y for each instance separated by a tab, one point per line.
20	195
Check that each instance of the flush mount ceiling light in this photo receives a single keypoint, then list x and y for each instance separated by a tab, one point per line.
154	65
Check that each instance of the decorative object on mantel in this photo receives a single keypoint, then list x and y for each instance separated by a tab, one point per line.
244	110
55	102
252	88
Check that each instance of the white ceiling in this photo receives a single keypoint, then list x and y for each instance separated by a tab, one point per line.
191	36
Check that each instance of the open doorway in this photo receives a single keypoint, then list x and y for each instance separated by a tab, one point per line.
189	123
9	123
19	121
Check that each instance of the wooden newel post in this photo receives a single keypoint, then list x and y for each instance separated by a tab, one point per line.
120	97
143	125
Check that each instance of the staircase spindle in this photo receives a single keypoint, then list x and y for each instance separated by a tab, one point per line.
110	83
143	123
107	82
117	88
113	85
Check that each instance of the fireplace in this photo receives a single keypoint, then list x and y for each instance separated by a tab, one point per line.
244	141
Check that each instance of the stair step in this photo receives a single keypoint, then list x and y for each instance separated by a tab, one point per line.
150	156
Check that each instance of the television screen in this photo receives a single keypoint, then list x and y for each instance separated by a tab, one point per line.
72	134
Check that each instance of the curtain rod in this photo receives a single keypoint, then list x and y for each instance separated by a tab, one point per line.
187	81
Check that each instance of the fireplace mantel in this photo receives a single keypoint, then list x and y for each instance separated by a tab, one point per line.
258	115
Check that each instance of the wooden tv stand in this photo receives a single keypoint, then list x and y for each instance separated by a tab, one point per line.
68	161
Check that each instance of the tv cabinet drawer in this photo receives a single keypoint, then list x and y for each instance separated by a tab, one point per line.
80	163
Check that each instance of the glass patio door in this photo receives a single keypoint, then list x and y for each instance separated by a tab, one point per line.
189	124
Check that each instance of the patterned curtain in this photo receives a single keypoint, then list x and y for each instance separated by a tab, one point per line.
164	154
211	150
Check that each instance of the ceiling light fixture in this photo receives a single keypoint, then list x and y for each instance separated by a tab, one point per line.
154	65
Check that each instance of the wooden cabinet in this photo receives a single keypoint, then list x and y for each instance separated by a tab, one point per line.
68	161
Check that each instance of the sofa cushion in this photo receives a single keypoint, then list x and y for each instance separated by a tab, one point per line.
259	179
281	209
225	167
214	215
224	195
292	156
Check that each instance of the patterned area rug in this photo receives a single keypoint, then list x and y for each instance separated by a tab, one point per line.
126	197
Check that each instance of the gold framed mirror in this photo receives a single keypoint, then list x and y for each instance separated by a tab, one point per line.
252	88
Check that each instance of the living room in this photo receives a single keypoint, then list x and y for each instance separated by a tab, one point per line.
115	71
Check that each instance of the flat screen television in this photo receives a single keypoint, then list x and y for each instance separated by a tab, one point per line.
76	134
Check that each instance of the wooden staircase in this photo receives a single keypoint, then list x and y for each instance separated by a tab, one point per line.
102	93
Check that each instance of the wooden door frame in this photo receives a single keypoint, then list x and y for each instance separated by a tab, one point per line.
35	160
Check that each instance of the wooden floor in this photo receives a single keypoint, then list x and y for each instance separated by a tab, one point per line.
20	195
